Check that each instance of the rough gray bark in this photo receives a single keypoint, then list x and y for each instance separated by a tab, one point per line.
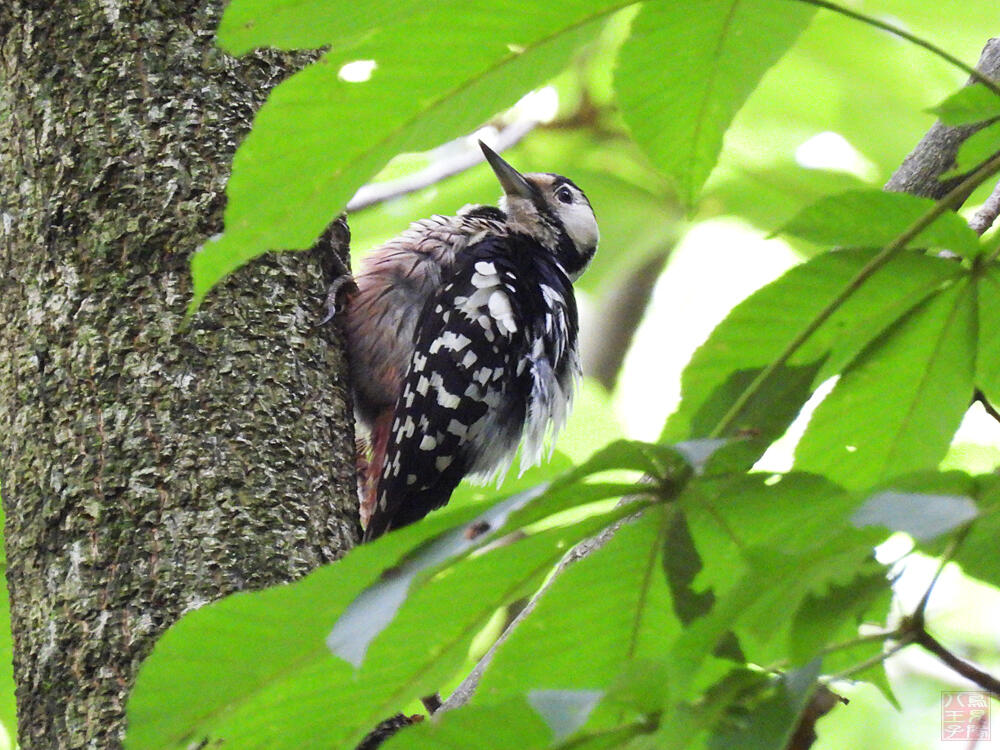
146	469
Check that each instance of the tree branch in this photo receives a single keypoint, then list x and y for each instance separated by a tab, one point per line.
970	672
457	158
983	218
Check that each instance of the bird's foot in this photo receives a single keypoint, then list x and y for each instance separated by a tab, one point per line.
341	285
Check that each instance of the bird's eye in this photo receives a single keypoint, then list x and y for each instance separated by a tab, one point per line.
565	195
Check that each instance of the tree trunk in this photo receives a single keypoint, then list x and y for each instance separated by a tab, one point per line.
146	468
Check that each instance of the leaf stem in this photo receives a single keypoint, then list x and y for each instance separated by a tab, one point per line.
871	661
946	558
949	202
903	34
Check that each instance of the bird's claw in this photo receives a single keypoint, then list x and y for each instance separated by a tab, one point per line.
336	289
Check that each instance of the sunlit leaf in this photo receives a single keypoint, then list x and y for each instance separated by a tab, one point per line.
709	55
977	148
761	327
299	166
969	104
874	218
905	397
988	350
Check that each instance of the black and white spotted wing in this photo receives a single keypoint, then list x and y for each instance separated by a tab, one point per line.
495	357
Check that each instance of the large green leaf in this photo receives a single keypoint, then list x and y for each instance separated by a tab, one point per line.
969	104
223	669
897	406
874	218
687	68
988	350
978	552
301	163
977	148
574	641
276	668
757	331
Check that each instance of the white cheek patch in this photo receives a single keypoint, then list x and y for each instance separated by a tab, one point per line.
581	226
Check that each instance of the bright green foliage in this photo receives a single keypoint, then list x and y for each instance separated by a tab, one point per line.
980	146
969	104
905	395
873	218
686	70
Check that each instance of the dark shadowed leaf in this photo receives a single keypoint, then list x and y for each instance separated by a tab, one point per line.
709	55
768	723
978	552
821	615
905	397
874	218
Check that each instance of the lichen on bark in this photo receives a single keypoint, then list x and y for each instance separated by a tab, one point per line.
147	467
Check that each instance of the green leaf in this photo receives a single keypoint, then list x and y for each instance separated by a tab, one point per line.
307	24
510	724
200	683
822	615
765	542
904	397
300	164
223	669
976	149
769	723
582	642
760	328
988	350
969	104
688	67
875	218
978	552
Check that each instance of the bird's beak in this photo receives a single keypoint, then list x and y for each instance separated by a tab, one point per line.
512	181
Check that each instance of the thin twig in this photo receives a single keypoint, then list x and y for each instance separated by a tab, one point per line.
871	661
972	673
983	218
871	21
990	409
456	160
946	558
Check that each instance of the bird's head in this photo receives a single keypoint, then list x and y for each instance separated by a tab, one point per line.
551	209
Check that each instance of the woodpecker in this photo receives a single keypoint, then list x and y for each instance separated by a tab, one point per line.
462	336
